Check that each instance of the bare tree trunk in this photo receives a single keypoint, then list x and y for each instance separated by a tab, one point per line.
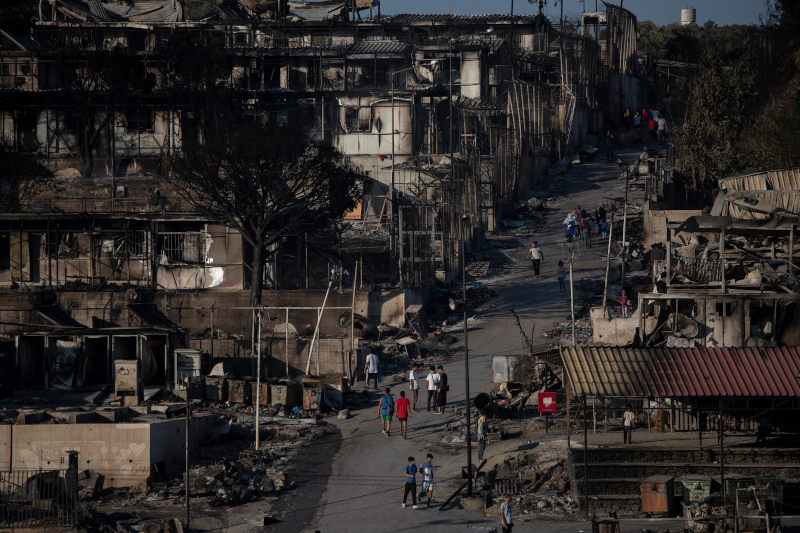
257	276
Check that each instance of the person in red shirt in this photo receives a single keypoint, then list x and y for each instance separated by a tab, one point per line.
587	233
653	127
403	412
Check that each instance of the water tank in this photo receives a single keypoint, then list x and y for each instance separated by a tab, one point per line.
688	16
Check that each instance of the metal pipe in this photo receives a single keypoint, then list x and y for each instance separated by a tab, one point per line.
585	460
258	385
466	358
608	268
721	451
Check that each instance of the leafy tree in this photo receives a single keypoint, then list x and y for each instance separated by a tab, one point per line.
721	99
23	176
270	182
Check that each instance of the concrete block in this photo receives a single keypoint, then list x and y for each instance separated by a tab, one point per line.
141	409
116	415
81	418
30	418
473	503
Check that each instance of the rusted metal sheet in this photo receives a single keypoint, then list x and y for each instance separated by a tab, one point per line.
264	392
657	494
683	372
239	390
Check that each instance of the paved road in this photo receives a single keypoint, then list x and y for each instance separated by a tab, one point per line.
364	491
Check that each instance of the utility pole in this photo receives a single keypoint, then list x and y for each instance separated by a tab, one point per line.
585	459
188	417
258	383
465	220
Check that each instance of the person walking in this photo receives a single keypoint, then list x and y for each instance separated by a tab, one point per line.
413	383
637	119
623	301
628	423
561	274
627	118
386	410
536	255
652	125
371	368
505	515
569	225
427	479
441	392
433	384
587	233
403	413
662	130
410	473
483	437
608	142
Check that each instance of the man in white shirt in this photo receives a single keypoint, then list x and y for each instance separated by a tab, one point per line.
413	383
371	368
505	515
628	423
433	384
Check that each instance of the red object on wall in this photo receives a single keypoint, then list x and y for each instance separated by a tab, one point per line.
547	402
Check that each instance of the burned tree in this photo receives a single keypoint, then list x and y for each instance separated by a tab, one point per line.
98	81
269	182
23	176
196	69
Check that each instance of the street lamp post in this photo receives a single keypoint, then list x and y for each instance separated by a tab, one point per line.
465	220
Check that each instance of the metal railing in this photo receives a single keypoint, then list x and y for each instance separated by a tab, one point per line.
35	498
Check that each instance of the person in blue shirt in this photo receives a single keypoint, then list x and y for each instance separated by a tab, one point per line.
386	410
410	473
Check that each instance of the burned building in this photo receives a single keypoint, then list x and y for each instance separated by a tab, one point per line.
452	117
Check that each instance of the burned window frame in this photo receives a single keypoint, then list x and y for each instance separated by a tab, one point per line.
140	120
172	247
130	244
63	245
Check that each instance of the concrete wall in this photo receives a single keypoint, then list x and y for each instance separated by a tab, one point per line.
655	222
623	91
613	330
124	453
194	310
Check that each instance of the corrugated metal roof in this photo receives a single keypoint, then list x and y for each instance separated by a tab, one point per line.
683	372
772	182
98	10
378	47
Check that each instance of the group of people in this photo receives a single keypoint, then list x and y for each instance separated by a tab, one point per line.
651	119
404	407
580	223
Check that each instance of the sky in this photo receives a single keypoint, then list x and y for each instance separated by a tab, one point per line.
661	12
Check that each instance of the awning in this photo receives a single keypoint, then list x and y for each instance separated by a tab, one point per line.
55	315
683	372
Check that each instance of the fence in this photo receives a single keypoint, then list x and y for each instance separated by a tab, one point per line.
37	498
308	338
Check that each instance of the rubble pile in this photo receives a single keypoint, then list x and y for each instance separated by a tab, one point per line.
709	514
213	482
563	331
539	483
